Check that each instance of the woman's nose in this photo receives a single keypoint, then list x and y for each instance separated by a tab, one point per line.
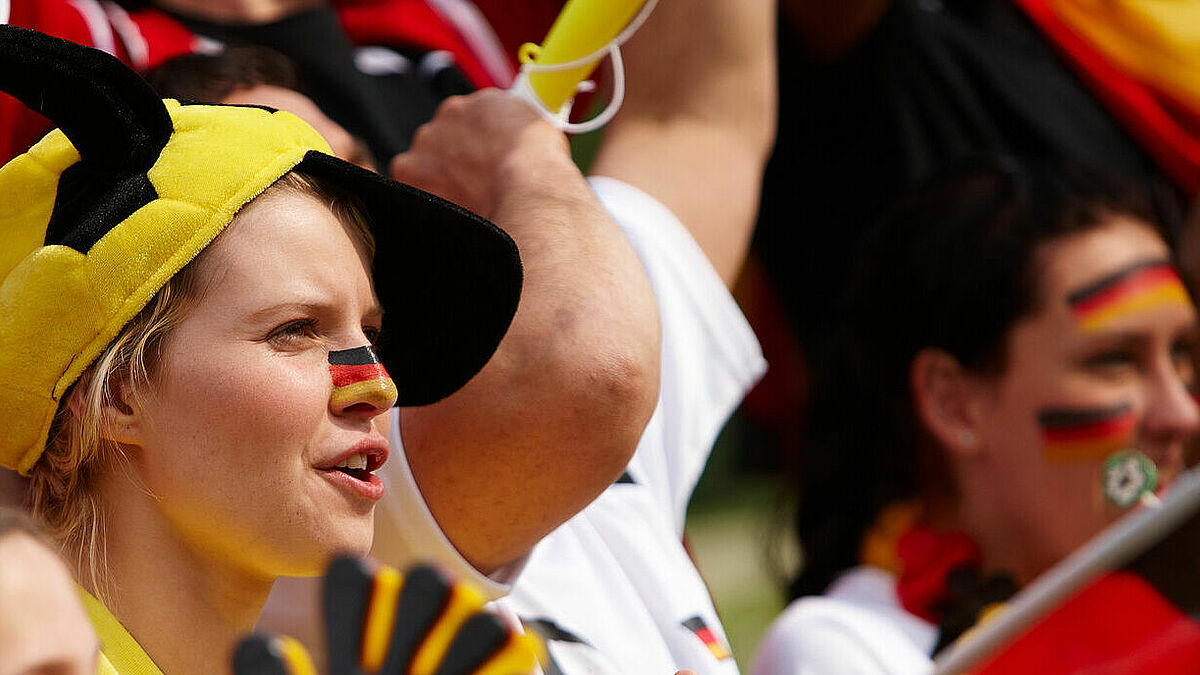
359	379
1171	411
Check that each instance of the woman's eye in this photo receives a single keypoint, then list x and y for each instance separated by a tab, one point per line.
1182	350
293	332
1181	357
1112	360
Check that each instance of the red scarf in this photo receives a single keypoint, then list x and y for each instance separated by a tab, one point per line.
927	557
920	557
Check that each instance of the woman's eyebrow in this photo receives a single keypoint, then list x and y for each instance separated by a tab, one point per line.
375	310
300	307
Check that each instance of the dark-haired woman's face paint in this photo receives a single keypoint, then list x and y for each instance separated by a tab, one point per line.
1074	434
1102	364
1140	287
359	377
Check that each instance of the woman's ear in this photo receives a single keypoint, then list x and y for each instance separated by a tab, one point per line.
945	401
120	415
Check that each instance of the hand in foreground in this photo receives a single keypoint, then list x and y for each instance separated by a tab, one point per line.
382	622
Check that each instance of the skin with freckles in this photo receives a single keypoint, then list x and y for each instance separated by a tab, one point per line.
230	480
242	413
1135	365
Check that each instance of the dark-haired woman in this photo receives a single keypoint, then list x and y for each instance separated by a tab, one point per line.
1013	326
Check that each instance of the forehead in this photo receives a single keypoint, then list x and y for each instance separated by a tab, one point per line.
285	239
1079	261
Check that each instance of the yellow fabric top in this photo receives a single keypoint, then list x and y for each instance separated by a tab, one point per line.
120	654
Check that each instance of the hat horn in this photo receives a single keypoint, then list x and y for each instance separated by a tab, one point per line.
113	117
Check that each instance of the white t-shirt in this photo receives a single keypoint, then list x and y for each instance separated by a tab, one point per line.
613	587
858	627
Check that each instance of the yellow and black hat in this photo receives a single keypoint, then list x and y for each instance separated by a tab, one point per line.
97	216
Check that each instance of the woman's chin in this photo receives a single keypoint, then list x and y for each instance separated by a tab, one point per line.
354	539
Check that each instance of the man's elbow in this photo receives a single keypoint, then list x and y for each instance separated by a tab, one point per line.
617	402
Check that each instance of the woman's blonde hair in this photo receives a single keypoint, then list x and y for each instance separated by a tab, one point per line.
61	493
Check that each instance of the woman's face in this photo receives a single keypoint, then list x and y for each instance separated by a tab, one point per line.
239	434
1101	366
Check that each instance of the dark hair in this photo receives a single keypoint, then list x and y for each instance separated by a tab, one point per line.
212	77
952	267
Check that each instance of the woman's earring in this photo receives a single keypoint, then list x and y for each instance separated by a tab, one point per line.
966	437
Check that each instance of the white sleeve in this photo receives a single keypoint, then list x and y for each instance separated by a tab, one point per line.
818	635
407	533
710	356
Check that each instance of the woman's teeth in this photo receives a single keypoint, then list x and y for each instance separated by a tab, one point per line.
356	461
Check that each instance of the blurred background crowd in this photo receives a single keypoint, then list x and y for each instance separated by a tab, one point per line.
974	240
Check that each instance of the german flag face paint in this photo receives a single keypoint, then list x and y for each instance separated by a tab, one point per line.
708	637
359	377
1140	287
1082	434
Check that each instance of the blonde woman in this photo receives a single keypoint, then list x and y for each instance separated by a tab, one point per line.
188	324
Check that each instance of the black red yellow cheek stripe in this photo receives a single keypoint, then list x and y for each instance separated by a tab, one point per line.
1141	286
359	377
1080	434
710	639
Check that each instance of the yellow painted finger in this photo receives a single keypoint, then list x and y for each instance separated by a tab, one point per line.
519	655
464	601
381	617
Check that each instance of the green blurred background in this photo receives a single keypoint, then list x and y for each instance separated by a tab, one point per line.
738	533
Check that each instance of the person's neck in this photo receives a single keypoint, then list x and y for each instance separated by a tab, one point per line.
1005	547
238	11
185	608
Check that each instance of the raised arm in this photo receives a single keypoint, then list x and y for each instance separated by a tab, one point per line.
556	414
699	118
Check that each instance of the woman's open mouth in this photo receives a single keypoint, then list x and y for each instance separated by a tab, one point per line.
356	466
356	474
